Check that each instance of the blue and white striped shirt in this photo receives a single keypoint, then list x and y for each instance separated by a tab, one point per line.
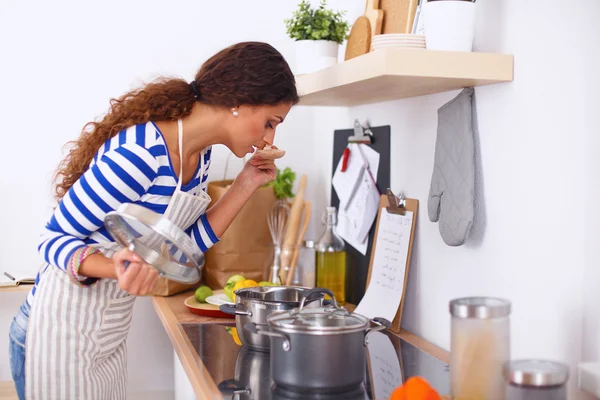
132	167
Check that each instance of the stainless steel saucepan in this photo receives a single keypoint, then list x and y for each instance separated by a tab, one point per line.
318	349
255	304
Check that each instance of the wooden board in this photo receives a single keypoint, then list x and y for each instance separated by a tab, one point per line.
372	5
394	73
411	205
359	40
375	20
399	15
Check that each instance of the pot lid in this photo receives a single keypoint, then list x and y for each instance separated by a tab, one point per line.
157	241
536	373
319	320
480	308
325	320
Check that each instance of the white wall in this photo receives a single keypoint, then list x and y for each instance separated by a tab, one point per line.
591	344
529	240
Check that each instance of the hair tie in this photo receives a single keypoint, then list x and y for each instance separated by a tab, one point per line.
195	89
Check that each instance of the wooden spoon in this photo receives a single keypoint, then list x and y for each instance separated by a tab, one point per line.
307	213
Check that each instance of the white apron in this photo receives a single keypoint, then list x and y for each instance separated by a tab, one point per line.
76	336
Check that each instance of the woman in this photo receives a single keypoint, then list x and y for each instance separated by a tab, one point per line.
153	148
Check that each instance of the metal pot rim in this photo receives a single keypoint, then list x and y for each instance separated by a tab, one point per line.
241	294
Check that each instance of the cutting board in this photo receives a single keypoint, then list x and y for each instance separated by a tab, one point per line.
359	40
399	15
376	20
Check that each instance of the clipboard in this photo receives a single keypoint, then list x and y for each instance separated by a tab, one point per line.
396	205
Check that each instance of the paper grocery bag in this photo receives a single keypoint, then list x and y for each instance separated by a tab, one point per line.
167	287
246	248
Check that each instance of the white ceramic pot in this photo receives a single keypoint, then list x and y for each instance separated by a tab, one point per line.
313	55
449	25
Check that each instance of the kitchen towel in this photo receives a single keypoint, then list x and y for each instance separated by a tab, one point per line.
451	195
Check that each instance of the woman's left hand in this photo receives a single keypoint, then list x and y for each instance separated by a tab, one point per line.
258	171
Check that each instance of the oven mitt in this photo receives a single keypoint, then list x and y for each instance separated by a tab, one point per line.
452	191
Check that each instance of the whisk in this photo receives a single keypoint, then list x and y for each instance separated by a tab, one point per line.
277	220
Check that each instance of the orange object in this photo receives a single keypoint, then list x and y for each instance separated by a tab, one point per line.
415	388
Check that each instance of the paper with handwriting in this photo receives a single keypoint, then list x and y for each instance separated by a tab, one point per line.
385	366
386	285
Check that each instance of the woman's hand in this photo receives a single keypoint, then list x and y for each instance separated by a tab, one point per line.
138	278
258	171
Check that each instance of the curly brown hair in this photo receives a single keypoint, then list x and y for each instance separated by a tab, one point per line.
252	73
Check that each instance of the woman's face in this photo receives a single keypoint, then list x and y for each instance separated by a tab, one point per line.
254	127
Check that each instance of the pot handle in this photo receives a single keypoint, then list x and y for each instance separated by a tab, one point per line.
259	330
231	309
230	387
322	291
381	323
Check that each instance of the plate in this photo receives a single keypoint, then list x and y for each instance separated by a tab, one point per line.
398	42
218	299
205	310
399	36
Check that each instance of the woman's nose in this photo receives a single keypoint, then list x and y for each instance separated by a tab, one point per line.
269	138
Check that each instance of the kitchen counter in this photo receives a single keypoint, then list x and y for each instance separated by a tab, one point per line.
180	325
24	287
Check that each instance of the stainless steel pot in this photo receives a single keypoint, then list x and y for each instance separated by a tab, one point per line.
318	349
255	304
252	379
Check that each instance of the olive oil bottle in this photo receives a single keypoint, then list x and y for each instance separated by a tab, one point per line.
330	262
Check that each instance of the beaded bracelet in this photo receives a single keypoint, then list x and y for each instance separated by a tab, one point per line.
75	262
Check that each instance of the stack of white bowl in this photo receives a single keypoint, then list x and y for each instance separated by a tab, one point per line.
401	40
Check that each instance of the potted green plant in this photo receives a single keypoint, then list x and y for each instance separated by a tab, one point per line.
318	32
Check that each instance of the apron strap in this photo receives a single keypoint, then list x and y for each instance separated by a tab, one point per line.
202	155
180	139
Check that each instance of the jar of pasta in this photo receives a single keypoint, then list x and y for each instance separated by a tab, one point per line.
480	347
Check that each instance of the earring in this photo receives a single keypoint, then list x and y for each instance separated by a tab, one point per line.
235	112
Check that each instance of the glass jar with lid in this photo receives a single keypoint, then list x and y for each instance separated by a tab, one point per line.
536	380
480	347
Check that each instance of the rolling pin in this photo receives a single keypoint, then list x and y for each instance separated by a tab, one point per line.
291	232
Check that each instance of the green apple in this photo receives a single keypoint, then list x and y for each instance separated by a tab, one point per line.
202	293
231	283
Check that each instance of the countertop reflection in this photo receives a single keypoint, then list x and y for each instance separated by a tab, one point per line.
242	374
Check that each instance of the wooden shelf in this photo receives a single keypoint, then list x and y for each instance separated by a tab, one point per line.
397	73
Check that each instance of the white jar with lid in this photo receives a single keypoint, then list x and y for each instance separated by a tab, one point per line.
536	380
480	347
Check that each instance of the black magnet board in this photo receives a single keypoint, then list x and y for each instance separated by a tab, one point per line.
357	264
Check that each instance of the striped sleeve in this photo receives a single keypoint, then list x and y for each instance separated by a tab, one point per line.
203	234
119	176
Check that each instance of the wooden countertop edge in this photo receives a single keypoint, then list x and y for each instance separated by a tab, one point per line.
203	385
424	345
23	287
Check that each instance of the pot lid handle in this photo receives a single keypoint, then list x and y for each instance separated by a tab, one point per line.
322	291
